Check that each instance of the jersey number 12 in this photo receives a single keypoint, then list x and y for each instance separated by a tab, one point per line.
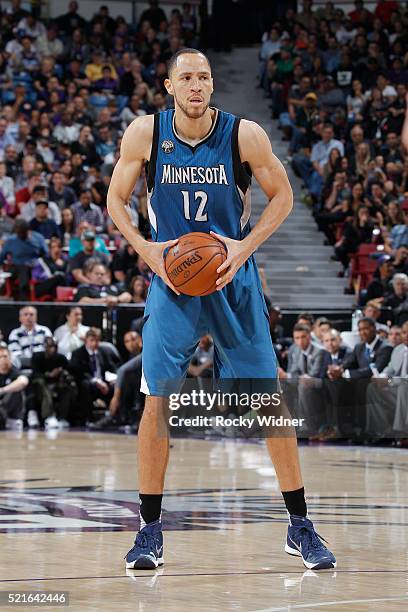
200	214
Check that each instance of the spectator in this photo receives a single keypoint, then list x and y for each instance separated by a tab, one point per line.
387	395
54	386
356	232
7	187
311	170
304	390
90	364
90	250
71	21
399	293
127	402
399	233
395	336
96	290
401	259
41	223
124	264
154	15
94	70
71	335
20	252
107	84
334	400
29	338
203	359
321	326
5	137
368	358
40	192
59	191
138	290
131	111
49	44
67	227
85	210
49	272
380	285
372	354
306	358
12	385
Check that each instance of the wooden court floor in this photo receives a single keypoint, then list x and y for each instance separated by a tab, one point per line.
68	512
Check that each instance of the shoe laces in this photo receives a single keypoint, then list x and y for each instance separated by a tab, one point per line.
315	539
143	540
146	540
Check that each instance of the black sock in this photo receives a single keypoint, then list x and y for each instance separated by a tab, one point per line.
295	502
150	507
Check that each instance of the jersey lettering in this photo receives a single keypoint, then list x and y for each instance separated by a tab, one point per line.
194	175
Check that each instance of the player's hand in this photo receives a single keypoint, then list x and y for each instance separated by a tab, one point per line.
153	256
237	254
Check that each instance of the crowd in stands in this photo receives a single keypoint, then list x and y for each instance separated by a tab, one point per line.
338	87
346	385
68	89
68	377
338	84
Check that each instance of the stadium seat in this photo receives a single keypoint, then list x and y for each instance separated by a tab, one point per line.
44	298
363	266
65	294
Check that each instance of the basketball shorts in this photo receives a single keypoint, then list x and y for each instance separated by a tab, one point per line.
236	317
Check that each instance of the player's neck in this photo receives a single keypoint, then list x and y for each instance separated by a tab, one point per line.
194	130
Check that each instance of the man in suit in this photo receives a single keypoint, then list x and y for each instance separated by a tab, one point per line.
90	365
368	358
333	390
387	395
304	367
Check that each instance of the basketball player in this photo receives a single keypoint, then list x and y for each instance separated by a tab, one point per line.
218	154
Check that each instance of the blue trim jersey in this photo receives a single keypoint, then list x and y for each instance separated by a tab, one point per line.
197	188
202	188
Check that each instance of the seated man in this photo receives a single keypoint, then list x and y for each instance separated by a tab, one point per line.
127	402
29	338
203	358
42	223
89	251
89	365
12	385
54	387
71	335
304	368
20	251
97	290
334	396
387	395
368	358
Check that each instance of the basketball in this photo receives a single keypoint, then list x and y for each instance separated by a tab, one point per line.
192	263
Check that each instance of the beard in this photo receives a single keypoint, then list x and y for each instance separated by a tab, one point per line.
194	113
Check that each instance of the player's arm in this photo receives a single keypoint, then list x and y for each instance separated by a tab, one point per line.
255	148
134	151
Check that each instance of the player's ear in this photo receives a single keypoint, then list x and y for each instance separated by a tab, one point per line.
168	86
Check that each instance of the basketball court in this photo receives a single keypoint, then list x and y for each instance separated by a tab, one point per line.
69	511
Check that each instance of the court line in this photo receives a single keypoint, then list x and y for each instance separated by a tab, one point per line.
342	602
205	574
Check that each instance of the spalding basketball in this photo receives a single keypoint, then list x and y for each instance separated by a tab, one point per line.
192	263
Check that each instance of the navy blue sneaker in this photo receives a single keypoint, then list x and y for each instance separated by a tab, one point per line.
303	541
147	553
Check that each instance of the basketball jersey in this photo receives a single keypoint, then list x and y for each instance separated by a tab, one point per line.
197	188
